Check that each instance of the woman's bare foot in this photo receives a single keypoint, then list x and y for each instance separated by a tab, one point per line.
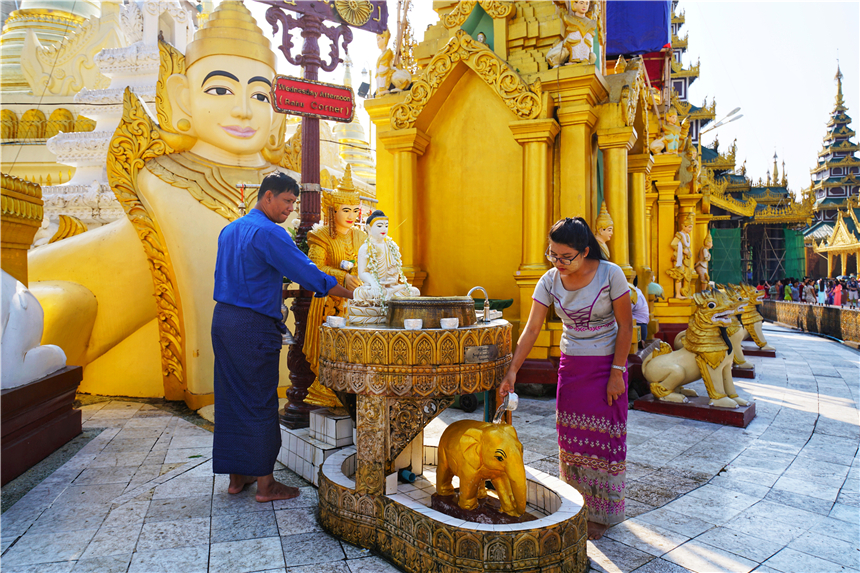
270	490
596	530
238	483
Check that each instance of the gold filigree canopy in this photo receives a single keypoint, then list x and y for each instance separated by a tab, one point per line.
230	31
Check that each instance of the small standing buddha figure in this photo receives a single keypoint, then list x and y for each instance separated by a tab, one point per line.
380	270
576	47
385	64
702	263
670	138
333	247
682	258
603	229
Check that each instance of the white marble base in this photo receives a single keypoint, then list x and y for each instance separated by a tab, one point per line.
333	429
303	454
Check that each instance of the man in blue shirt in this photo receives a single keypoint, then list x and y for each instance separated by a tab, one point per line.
254	254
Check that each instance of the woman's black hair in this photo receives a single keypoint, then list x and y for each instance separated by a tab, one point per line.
576	234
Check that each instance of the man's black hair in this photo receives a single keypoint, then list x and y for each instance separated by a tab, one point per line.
576	234
278	182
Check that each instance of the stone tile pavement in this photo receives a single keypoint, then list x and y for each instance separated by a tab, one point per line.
782	495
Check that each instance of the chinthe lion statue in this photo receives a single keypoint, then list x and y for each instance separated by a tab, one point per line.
737	333
707	354
751	319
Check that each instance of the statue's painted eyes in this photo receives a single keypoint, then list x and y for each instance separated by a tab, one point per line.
500	458
218	90
712	305
261	97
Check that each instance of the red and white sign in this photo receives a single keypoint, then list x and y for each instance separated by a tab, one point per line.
297	96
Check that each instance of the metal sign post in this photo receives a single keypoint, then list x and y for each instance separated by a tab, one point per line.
361	14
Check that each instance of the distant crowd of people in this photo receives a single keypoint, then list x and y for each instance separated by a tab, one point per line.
838	291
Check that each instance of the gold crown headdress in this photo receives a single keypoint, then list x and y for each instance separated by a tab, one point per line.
604	219
345	194
688	219
230	31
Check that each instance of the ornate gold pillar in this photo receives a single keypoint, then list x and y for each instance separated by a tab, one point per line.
844	256
650	233
829	265
615	143
21	219
576	91
664	174
638	167
406	145
536	138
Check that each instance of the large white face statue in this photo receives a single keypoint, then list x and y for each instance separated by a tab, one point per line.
378	229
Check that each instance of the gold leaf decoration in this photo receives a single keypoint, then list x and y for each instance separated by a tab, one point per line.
137	139
69	227
514	91
354	12
495	8
459	14
172	62
292	158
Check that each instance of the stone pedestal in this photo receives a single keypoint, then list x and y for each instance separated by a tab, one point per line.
698	409
37	418
488	510
753	350
747	373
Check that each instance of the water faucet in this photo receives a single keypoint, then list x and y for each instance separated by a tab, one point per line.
486	301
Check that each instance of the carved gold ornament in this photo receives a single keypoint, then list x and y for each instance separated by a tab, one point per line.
69	227
495	8
136	140
354	12
522	99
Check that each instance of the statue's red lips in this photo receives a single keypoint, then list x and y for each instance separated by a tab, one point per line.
237	131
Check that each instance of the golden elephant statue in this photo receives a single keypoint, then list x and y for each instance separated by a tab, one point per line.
479	451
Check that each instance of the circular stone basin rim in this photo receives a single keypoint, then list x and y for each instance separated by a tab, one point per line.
544	492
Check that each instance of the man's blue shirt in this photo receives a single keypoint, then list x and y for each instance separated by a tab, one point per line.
254	254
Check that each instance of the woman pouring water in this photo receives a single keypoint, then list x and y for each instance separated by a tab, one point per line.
592	298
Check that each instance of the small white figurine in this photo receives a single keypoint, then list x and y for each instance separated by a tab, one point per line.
381	274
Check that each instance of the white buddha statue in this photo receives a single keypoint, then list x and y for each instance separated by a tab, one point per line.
381	272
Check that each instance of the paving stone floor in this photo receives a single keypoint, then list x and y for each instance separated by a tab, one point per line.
782	495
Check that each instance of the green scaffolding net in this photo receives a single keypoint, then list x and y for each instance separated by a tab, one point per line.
726	256
795	254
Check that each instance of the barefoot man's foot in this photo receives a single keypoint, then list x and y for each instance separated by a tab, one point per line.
239	482
596	530
270	490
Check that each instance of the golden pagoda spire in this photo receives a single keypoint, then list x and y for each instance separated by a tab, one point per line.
775	170
839	101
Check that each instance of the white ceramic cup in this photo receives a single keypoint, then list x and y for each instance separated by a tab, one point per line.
449	323
336	321
413	323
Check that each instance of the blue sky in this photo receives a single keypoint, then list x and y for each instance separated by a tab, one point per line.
775	60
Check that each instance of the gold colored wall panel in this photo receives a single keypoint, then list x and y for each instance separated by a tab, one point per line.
469	199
